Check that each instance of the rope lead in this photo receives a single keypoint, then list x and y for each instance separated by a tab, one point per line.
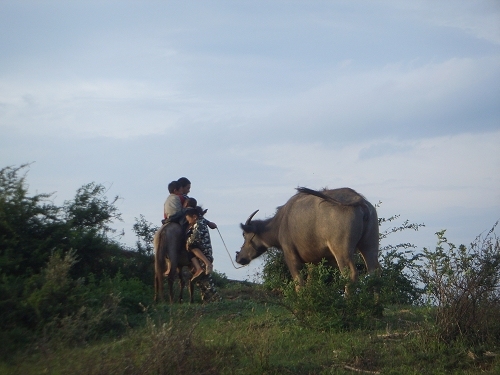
231	259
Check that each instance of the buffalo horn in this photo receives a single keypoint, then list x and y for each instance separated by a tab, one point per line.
250	217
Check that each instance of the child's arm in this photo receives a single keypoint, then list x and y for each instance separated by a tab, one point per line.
210	224
177	216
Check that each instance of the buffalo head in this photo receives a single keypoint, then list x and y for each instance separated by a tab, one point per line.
253	246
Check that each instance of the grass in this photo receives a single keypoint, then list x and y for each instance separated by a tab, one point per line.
251	333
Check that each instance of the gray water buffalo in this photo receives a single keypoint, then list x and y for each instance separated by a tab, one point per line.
312	225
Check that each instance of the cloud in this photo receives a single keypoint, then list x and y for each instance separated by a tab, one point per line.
478	18
123	79
88	108
426	175
400	100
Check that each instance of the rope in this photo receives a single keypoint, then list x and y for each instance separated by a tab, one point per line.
228	250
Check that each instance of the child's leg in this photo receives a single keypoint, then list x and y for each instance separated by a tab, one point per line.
197	268
202	256
167	271
196	264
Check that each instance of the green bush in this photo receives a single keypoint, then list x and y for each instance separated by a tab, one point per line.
145	231
52	292
84	324
220	279
464	283
60	269
133	293
31	227
68	311
399	265
321	303
275	273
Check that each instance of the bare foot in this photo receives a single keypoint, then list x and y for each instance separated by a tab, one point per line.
197	273
210	268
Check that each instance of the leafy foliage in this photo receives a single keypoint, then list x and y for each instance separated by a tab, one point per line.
56	261
275	273
464	283
219	279
50	293
399	264
91	210
322	304
145	231
30	227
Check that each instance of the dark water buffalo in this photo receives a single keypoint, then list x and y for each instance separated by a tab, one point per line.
313	225
168	243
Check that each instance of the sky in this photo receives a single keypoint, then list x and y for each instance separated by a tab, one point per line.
251	99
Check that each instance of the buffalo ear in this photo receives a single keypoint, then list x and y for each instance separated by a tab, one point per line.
248	228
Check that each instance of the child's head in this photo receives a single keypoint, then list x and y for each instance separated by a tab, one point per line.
191	215
185	185
174	187
190	202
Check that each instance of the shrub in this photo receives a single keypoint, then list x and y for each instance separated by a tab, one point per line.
275	273
90	209
132	292
399	266
145	231
220	279
84	324
322	304
69	312
31	227
47	254
464	283
52	292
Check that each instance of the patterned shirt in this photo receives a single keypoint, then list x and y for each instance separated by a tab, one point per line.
199	237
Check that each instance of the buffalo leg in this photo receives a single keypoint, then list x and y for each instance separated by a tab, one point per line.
182	283
191	291
346	264
172	278
295	266
370	256
158	288
159	270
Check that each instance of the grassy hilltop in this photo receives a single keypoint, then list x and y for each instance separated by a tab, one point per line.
252	332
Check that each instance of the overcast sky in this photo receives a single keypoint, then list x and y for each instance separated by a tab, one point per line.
399	100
